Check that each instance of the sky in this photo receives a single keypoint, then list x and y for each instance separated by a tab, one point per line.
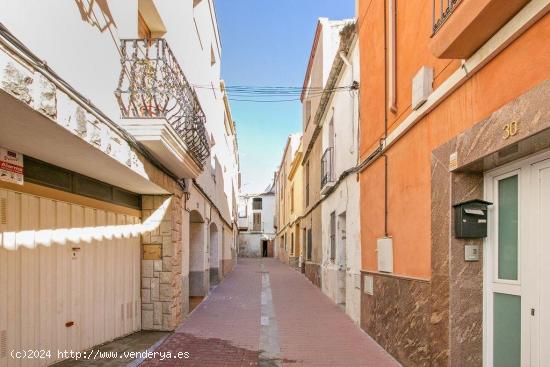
267	43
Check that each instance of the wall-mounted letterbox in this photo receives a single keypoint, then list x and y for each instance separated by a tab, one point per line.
471	219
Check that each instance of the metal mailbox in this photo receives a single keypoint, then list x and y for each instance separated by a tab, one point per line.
471	219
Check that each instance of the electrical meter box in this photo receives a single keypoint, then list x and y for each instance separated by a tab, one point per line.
471	219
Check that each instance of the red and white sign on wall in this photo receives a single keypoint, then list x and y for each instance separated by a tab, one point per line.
11	166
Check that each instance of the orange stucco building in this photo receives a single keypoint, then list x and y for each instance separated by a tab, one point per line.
479	102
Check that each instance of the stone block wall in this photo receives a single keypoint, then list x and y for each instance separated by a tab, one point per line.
161	286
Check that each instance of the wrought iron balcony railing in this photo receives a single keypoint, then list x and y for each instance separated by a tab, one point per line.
153	85
327	167
442	10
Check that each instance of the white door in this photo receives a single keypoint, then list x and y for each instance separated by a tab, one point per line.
517	265
540	177
69	276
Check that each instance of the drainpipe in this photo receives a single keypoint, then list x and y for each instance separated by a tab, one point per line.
393	71
389	84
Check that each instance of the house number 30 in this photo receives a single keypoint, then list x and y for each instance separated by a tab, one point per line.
510	129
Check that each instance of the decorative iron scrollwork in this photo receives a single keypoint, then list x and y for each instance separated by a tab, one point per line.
152	85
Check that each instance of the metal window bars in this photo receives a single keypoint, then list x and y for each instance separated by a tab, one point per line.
153	85
327	169
441	12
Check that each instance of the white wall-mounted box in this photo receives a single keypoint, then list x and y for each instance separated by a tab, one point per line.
385	254
422	86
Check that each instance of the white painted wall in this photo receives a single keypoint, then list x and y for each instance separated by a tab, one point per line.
344	199
81	45
344	110
249	237
327	46
267	211
88	58
250	244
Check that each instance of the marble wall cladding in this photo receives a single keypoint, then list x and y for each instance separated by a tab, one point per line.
440	237
530	111
456	295
466	283
397	317
294	262
440	322
456	290
313	273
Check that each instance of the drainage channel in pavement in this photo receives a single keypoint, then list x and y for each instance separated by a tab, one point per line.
270	352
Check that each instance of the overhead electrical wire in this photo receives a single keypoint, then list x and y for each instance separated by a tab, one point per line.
273	94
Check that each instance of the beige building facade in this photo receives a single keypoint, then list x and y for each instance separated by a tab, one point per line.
324	50
289	203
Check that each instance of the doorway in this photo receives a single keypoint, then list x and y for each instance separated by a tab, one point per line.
341	258
264	248
214	259
197	274
517	263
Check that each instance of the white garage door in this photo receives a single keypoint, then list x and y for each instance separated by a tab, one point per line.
69	276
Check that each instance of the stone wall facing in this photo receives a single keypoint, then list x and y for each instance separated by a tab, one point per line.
161	286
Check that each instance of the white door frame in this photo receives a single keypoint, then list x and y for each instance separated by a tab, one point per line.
526	284
538	241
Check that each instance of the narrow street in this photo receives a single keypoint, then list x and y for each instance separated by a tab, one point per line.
331	183
254	318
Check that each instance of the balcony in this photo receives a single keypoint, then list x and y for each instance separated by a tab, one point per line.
461	27
327	170
242	223
160	108
441	11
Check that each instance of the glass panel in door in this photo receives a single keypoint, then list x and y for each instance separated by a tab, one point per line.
506	330
508	228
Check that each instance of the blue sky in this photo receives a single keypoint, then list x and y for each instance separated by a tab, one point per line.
267	43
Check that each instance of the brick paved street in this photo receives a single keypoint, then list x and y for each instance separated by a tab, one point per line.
302	326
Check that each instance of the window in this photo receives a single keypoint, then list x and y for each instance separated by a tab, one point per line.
309	245
257	222
331	133
242	210
307	184
213	164
257	203
333	236
212	56
292	199
307	112
304	239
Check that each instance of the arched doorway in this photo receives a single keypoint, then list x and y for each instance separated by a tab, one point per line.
197	273
214	255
